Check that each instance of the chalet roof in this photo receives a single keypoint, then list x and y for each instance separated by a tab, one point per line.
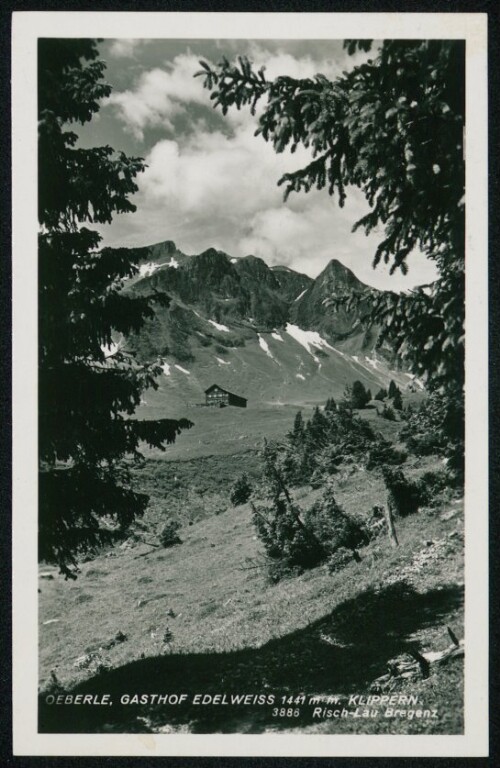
217	386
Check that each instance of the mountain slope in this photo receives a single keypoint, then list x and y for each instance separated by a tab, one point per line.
287	366
265	333
311	311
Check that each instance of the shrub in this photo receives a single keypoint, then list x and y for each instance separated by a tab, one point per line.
333	527
438	427
296	540
168	635
277	570
388	413
285	538
315	449
383	452
376	523
432	485
168	536
403	496
340	558
241	491
344	405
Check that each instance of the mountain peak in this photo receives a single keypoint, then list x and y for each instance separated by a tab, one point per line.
339	277
252	264
165	248
165	245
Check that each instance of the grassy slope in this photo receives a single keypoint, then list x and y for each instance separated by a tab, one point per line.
290	375
234	631
226	431
229	431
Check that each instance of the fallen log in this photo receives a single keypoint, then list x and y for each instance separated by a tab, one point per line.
401	668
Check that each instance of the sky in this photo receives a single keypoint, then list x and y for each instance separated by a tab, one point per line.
209	181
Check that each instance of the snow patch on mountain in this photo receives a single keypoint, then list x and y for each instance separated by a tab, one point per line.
222	362
300	294
173	263
276	336
180	368
219	326
166	369
372	362
265	346
299	376
308	339
147	269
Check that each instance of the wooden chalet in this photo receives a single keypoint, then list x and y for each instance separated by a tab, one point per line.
219	397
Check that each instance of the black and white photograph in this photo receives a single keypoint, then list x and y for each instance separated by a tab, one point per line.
249	375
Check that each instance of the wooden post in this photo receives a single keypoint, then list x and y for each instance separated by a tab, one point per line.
391	529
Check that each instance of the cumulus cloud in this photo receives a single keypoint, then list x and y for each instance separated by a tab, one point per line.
161	93
216	173
283	63
219	190
205	187
126	47
158	95
308	238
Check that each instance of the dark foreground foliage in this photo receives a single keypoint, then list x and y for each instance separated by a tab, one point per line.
241	490
393	127
437	427
404	496
88	386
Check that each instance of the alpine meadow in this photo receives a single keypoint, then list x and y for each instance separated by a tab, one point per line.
251	386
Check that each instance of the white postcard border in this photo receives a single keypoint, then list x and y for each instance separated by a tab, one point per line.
27	27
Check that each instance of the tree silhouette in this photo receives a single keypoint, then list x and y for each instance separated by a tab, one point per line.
393	127
89	386
359	396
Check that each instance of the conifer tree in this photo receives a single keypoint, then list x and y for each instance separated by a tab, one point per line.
330	405
359	396
393	127
297	435
286	538
393	388
397	400
89	386
317	428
